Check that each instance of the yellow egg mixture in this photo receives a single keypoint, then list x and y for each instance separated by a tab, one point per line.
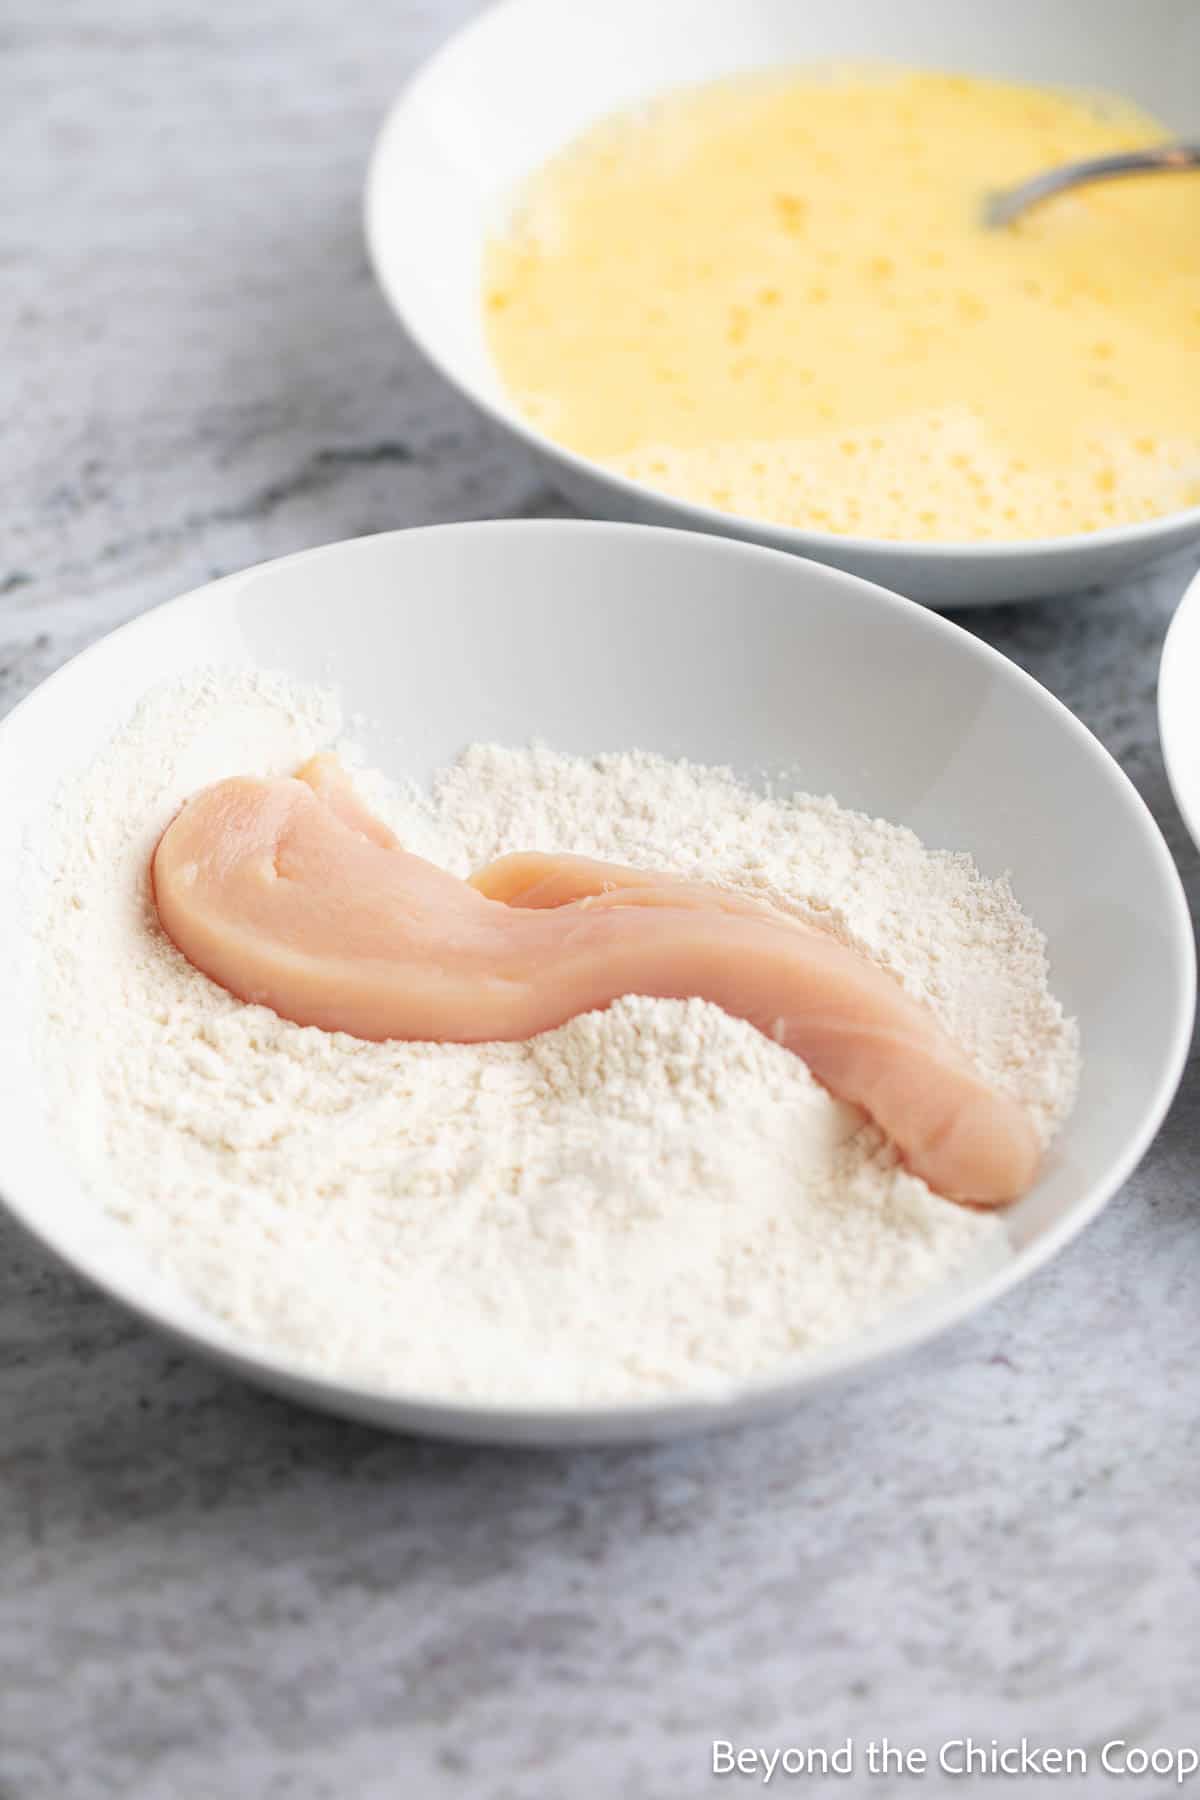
775	296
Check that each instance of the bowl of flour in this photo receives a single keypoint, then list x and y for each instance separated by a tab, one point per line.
652	1218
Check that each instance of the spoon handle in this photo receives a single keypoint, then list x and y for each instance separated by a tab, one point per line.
1002	207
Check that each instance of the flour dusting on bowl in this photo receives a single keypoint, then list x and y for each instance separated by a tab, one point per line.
651	1200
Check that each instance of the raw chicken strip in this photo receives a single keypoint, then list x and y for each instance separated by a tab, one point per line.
291	895
529	878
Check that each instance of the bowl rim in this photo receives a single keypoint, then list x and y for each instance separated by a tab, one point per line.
800	540
787	1383
1173	699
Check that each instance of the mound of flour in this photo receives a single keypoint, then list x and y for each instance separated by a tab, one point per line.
648	1200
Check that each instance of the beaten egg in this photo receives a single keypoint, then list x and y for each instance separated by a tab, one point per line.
775	296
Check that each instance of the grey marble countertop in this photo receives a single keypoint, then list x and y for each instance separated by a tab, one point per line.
205	1592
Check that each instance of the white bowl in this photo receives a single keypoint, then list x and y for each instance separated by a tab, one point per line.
530	74
595	636
1178	712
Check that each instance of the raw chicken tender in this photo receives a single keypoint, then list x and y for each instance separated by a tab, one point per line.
290	894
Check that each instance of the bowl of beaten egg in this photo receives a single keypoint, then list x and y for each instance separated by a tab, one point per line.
723	267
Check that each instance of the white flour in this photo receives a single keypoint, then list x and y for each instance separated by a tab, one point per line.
651	1199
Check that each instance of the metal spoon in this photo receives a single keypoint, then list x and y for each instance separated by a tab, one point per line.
1003	206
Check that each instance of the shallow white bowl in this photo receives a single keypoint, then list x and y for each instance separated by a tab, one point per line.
1178	711
593	637
530	74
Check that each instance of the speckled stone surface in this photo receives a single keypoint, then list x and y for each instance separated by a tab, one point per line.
205	1593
